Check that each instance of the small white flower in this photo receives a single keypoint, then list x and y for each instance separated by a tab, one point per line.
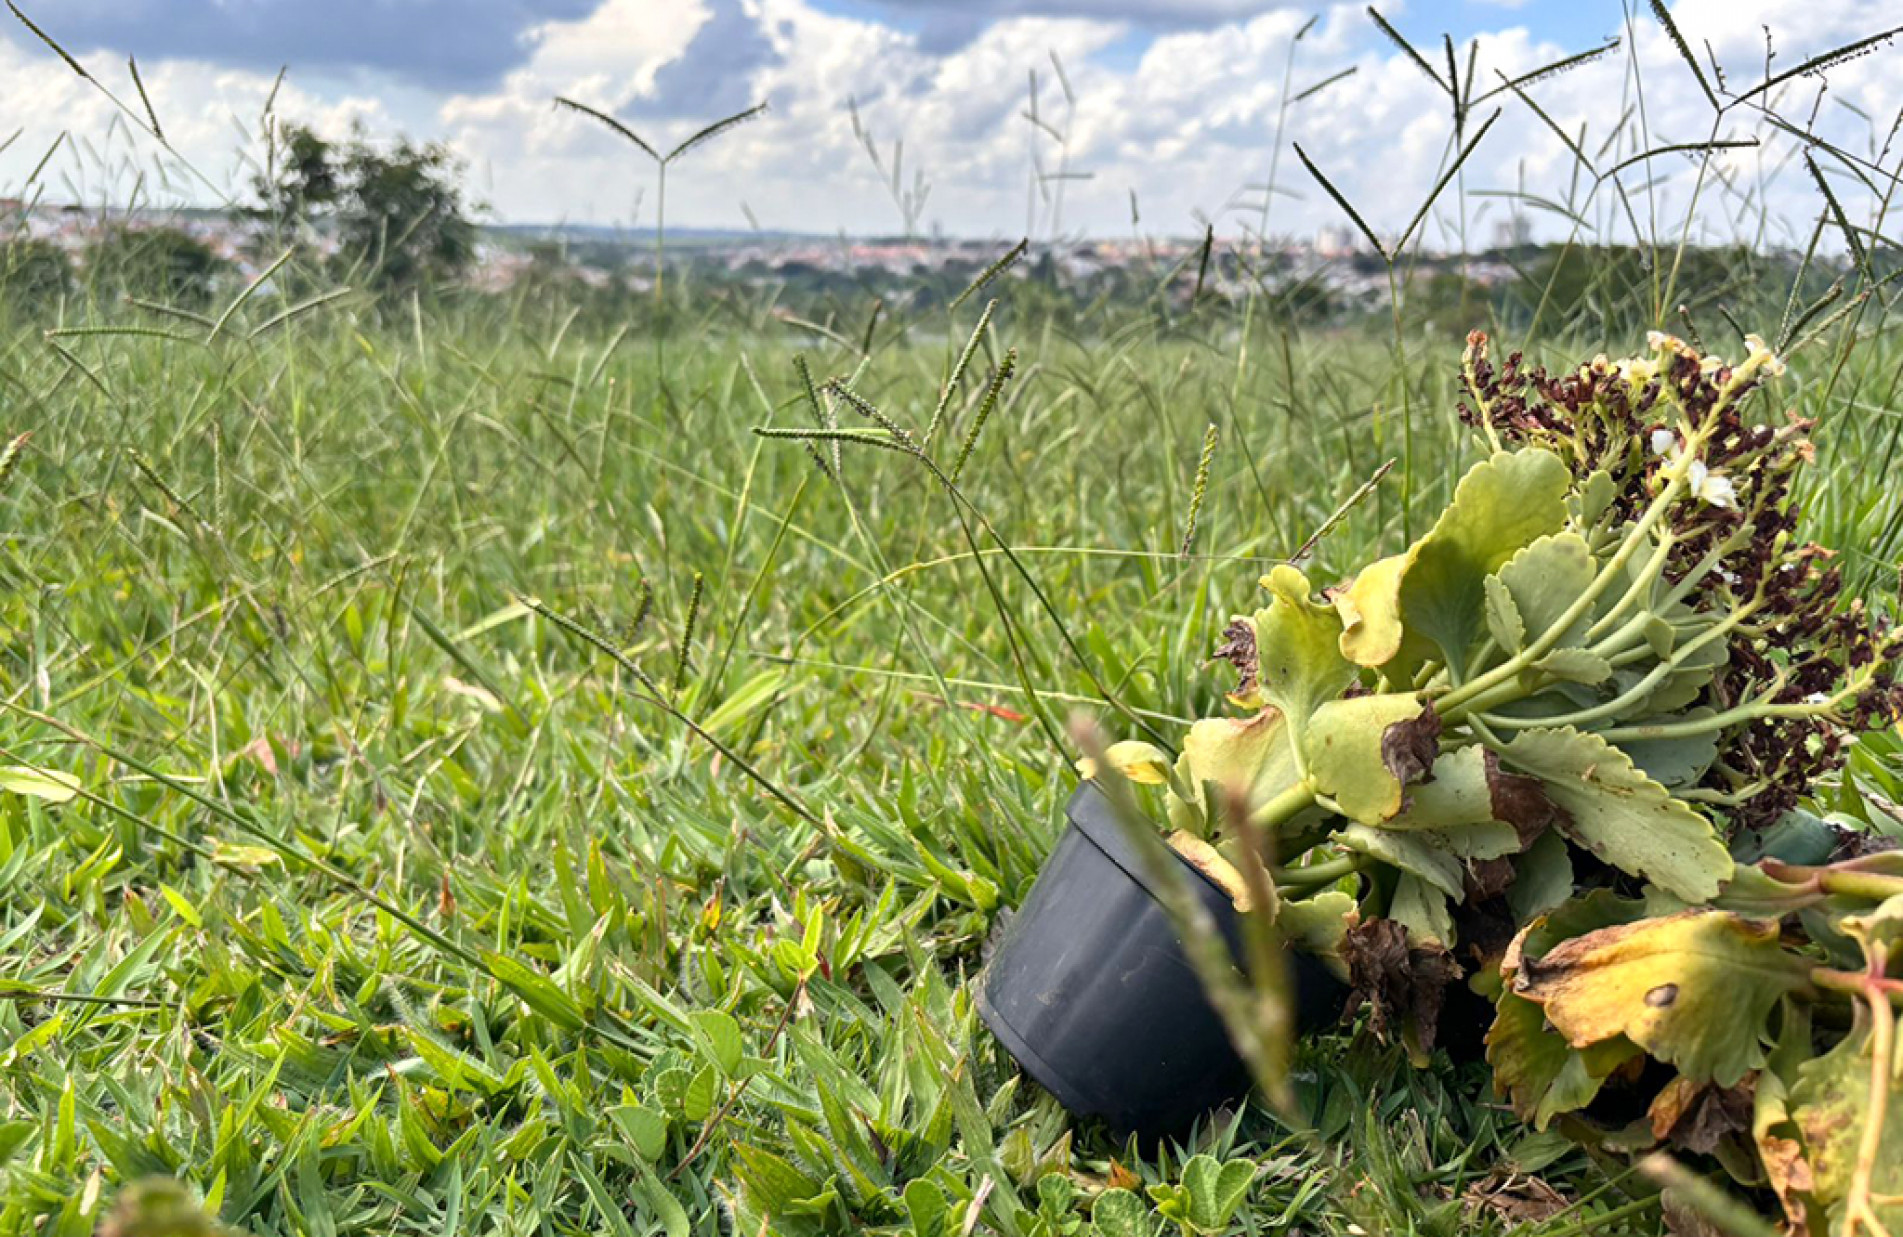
1816	698
1664	441
1711	487
1658	340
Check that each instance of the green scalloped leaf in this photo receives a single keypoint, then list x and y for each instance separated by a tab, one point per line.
1576	666
1430	602
1504	621
1315	925
1434	855
1537	1071
1621	815
1545	579
1423	910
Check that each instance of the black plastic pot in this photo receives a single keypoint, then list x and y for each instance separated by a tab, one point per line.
1092	993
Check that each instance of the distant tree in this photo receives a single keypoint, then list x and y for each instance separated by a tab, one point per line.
157	263
399	214
403	218
302	181
34	273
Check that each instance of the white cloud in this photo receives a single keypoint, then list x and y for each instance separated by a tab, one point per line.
1184	123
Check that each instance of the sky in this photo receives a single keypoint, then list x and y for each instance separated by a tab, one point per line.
1151	115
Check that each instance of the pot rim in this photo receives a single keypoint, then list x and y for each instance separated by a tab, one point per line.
1091	813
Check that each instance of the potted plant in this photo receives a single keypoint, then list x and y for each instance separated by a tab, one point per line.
1533	752
1094	993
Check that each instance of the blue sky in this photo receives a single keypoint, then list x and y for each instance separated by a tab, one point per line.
1422	22
1178	105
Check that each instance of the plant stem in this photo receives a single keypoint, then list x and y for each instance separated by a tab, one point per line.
1638	691
1453	707
1284	807
1327	872
1858	1212
1762	707
1872	885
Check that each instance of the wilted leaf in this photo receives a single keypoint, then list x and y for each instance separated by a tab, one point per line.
1517	1198
1250	756
1624	817
1370	609
1353	760
1401	983
1830	1108
1697	1116
1210	862
1238	649
1467	786
1781	1155
1694	989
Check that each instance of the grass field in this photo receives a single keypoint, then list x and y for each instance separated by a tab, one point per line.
468	766
373	898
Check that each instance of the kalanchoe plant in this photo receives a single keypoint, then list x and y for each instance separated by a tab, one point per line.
1526	752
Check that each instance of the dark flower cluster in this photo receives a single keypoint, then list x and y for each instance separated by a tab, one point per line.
1591	417
1735	545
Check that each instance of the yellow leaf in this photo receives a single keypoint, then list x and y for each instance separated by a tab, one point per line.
1143	763
1694	989
1351	759
1209	861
